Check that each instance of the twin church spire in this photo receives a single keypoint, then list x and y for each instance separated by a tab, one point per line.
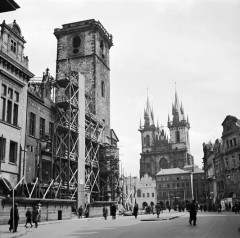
178	115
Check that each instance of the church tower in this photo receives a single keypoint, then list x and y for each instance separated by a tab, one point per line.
179	127
149	132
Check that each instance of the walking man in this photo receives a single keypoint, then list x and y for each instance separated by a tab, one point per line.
80	212
14	218
113	211
29	217
158	209
193	213
35	216
135	210
105	212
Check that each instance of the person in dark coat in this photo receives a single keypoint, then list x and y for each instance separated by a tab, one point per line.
113	211
219	208
35	216
29	217
135	210
105	212
158	209
80	212
14	218
193	213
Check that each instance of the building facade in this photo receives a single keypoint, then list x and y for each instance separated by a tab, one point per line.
14	78
174	187
222	164
159	151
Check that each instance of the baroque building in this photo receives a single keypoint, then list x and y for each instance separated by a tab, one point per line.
159	151
222	165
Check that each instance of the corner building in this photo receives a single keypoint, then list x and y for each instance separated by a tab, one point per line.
159	151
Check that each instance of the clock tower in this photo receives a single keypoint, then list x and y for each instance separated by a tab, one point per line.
84	46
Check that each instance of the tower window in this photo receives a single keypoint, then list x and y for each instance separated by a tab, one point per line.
76	44
76	41
177	136
103	89
102	49
147	140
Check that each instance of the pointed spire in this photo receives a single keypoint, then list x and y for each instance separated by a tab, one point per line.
140	126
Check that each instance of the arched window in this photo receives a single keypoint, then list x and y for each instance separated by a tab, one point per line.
177	136
147	140
163	163
103	89
76	44
76	41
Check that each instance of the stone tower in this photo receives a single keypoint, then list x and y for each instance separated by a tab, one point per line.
84	46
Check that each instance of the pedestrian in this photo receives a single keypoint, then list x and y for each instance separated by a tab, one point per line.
35	216
14	218
135	210
105	212
113	211
29	217
39	212
193	213
219	208
158	209
205	207
237	208
169	208
80	212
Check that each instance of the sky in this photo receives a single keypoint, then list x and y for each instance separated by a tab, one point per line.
192	45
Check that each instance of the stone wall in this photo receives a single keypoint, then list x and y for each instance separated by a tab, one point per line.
51	209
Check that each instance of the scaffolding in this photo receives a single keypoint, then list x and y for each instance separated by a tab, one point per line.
66	152
100	167
109	172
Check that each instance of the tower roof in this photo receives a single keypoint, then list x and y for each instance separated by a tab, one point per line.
148	114
177	111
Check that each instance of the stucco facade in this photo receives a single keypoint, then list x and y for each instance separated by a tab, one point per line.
14	77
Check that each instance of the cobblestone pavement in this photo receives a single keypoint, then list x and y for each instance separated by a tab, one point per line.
209	225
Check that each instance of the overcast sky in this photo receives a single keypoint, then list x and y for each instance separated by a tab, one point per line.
156	43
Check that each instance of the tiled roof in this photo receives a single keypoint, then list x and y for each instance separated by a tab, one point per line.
172	171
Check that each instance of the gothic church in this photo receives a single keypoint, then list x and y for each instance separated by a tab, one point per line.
160	151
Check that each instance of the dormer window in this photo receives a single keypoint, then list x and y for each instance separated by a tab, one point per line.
13	46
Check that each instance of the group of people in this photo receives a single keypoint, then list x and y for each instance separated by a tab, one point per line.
31	216
113	211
